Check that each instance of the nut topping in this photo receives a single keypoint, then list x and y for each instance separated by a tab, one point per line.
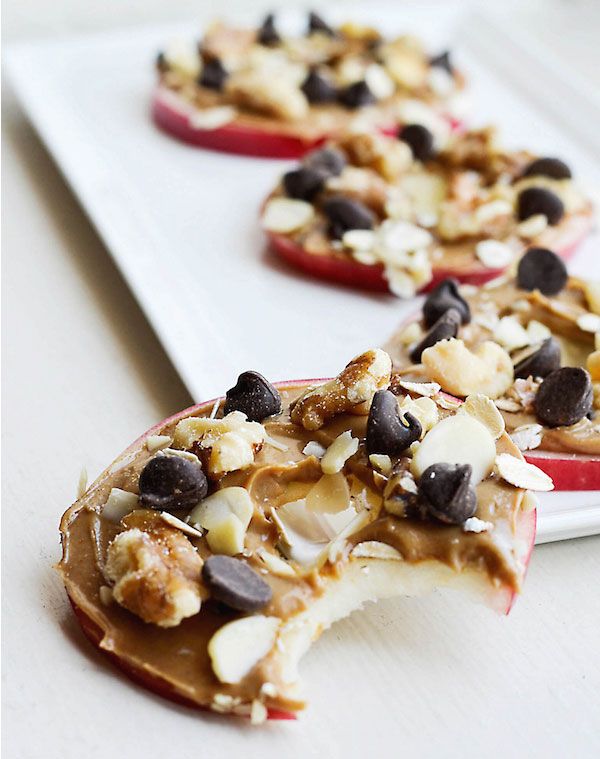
355	385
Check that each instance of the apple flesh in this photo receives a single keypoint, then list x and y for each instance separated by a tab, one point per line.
174	116
341	595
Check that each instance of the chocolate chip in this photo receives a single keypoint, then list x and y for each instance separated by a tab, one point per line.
254	396
172	482
267	34
345	214
447	492
318	89
356	95
539	362
419	139
303	183
317	24
548	167
541	269
386	432
442	298
161	63
232	582
329	160
442	61
536	200
213	74
564	397
444	328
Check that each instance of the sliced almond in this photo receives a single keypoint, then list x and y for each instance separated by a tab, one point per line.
427	389
179	524
158	442
483	409
521	474
374	549
533	226
493	253
285	215
275	564
314	449
510	333
592	294
459	439
238	646
212	118
589	322
527	437
339	452
410	334
329	495
381	462
424	409
119	504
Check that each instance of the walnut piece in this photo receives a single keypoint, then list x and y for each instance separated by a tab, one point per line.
155	570
355	385
272	95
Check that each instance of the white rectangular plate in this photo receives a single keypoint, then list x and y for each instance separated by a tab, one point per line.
182	226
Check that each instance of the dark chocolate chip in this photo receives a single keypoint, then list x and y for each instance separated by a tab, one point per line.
442	298
535	200
330	160
444	328
318	89
419	139
317	24
356	95
267	34
541	269
345	214
234	583
564	397
254	396
548	167
172	482
541	361
161	63
303	183
386	432
447	492
213	74
442	61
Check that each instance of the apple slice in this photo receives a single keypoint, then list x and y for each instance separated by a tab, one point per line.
176	117
346	271
340	594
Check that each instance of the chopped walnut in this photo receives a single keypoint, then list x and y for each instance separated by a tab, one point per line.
155	570
374	151
355	385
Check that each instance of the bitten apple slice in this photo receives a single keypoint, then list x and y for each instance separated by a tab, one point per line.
247	663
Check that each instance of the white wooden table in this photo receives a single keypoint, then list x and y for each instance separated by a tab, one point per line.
84	374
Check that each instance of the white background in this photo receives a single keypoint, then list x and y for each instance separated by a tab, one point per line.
84	375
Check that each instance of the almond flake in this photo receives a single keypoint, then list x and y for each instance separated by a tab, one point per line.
521	474
82	482
359	239
275	564
258	712
212	118
381	462
494	254
408	484
106	595
339	452
473	524
374	549
119	504
179	524
506	404
533	226
589	322
276	444
157	442
527	437
483	409
314	449
410	334
428	389
286	215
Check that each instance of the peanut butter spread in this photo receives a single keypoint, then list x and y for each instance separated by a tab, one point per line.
310	86
426	202
300	502
519	321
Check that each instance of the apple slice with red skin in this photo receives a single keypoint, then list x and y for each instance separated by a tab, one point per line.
175	116
500	599
569	471
345	270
